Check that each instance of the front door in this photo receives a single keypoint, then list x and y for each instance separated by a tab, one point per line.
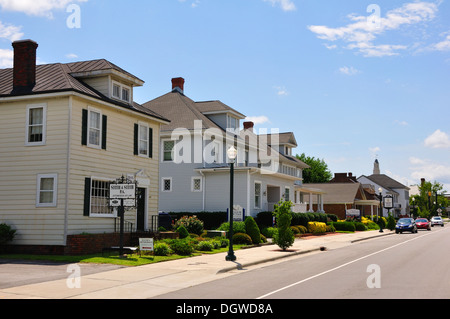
141	213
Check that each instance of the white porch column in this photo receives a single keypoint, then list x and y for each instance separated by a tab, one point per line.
311	210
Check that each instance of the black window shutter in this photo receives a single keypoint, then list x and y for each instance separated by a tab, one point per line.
136	139
104	130
150	142
84	124
87	197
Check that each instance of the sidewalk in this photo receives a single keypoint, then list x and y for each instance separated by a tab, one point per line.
155	279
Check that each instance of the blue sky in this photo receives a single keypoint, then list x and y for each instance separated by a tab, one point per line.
354	80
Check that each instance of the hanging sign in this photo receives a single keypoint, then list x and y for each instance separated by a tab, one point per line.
122	191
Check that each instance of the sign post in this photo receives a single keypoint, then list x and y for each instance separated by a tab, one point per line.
122	193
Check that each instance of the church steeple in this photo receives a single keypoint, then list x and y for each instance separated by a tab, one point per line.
376	168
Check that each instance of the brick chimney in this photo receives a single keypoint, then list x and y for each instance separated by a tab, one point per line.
178	85
24	72
249	126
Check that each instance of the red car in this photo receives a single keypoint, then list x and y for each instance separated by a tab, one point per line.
423	223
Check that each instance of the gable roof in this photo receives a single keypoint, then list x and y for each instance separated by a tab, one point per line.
385	181
181	110
59	77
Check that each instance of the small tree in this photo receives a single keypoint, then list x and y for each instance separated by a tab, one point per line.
284	238
391	222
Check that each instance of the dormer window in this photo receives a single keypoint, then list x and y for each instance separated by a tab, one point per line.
232	122
121	92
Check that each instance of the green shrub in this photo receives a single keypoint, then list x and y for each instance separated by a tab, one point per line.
161	249
344	226
238	227
295	230
182	231
205	246
191	223
242	239
269	232
285	237
331	229
302	229
252	229
263	239
264	219
223	242
391	222
6	234
360	226
332	217
183	247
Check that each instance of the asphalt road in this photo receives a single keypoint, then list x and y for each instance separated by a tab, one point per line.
400	266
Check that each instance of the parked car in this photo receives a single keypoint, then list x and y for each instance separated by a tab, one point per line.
437	220
406	224
423	223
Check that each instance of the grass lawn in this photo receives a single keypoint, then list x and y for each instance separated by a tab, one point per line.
113	258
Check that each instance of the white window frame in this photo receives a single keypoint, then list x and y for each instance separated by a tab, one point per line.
163	180
146	127
54	190
162	151
30	107
193	184
289	193
230	120
122	88
90	110
259	204
113	212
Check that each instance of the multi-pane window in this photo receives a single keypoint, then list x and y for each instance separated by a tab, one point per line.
168	147
121	92
257	195
95	128
36	125
286	194
99	198
143	140
167	184
196	184
46	190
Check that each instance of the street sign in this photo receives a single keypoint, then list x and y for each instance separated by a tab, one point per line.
122	191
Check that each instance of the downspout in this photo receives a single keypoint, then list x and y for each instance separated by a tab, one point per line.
66	204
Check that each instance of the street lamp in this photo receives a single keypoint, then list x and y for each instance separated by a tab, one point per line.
231	153
380	222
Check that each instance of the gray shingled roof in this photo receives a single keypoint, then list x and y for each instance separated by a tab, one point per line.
51	78
386	181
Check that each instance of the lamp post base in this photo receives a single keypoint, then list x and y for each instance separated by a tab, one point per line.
230	257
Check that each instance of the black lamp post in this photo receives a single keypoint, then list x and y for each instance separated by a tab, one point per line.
232	153
380	222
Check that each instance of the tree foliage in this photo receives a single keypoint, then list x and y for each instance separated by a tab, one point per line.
428	199
318	171
284	238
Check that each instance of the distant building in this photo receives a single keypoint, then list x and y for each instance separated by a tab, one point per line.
388	186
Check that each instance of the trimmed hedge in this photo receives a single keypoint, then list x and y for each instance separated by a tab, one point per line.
211	220
344	226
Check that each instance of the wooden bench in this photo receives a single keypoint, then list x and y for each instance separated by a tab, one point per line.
126	250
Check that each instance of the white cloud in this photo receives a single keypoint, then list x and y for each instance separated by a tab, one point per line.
286	5
36	7
438	139
430	170
348	70
6	58
281	90
71	56
362	32
10	32
443	45
374	151
258	119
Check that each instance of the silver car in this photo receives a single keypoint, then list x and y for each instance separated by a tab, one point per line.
436	220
